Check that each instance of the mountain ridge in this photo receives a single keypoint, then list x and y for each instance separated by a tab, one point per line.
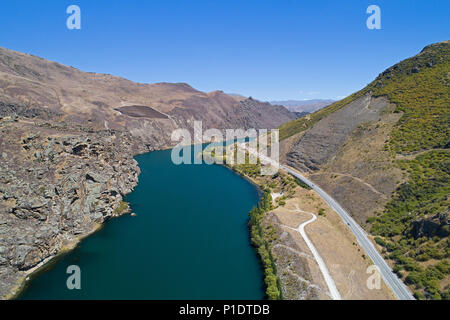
82	97
382	153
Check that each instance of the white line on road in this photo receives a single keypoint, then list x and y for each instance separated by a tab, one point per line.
390	278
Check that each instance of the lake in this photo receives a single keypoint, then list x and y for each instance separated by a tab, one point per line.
189	240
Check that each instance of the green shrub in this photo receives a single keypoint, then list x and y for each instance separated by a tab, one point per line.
302	184
419	88
260	240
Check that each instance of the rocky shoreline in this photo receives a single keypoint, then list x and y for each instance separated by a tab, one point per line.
58	184
67	143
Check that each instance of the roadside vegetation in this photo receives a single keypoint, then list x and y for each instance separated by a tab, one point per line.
413	229
261	232
258	236
281	183
414	225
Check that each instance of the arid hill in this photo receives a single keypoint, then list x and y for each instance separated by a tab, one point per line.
97	99
67	141
383	153
307	106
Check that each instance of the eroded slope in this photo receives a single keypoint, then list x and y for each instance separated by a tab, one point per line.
388	165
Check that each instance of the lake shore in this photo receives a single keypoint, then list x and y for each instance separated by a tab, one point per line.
116	230
29	275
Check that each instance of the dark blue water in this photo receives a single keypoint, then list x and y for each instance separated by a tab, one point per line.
189	241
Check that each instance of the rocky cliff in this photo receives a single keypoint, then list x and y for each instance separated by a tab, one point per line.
67	140
58	183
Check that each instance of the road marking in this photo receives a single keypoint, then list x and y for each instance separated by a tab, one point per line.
390	278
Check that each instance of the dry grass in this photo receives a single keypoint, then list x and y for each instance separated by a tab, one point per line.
335	243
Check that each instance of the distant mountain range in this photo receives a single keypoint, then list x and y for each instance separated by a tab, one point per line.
308	106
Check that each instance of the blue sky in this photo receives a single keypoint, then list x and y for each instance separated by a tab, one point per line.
270	50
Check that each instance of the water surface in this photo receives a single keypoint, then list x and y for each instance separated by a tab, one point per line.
188	241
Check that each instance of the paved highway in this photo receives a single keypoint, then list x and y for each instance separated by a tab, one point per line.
389	277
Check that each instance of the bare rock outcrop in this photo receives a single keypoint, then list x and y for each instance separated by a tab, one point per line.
435	226
345	154
67	140
323	141
149	112
57	184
